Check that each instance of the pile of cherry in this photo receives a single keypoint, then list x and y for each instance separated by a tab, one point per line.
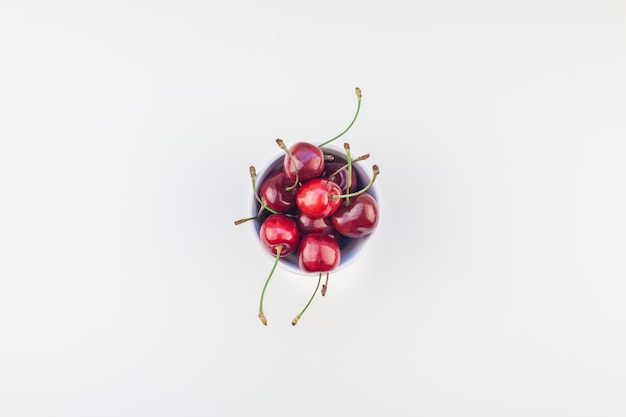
312	205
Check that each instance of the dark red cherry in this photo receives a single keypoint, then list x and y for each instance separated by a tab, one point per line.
280	230
335	235
358	219
308	224
309	161
323	226
314	198
340	178
318	253
273	191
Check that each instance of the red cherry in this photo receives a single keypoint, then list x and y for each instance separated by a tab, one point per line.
308	224
335	235
318	253
323	226
273	191
315	198
280	230
358	219
308	160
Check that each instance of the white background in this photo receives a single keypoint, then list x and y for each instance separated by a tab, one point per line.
494	286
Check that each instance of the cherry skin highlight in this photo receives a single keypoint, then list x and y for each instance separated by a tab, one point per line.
309	161
279	230
358	219
318	253
273	191
314	198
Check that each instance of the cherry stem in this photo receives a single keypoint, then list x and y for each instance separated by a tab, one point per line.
295	320
358	107
263	207
354	161
325	286
282	146
375	170
346	146
262	202
238	222
253	178
279	248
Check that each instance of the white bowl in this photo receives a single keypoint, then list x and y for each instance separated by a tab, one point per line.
350	248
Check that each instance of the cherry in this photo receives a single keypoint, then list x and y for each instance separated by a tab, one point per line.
335	235
314	198
308	224
303	161
280	235
358	219
273	192
280	230
318	253
322	226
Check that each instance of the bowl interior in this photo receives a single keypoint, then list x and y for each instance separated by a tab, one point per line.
350	247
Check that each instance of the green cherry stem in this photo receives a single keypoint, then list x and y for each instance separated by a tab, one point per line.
358	107
282	146
375	170
279	249
262	202
238	222
263	207
346	146
253	178
295	320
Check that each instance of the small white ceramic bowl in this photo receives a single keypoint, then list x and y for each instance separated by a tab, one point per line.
350	248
